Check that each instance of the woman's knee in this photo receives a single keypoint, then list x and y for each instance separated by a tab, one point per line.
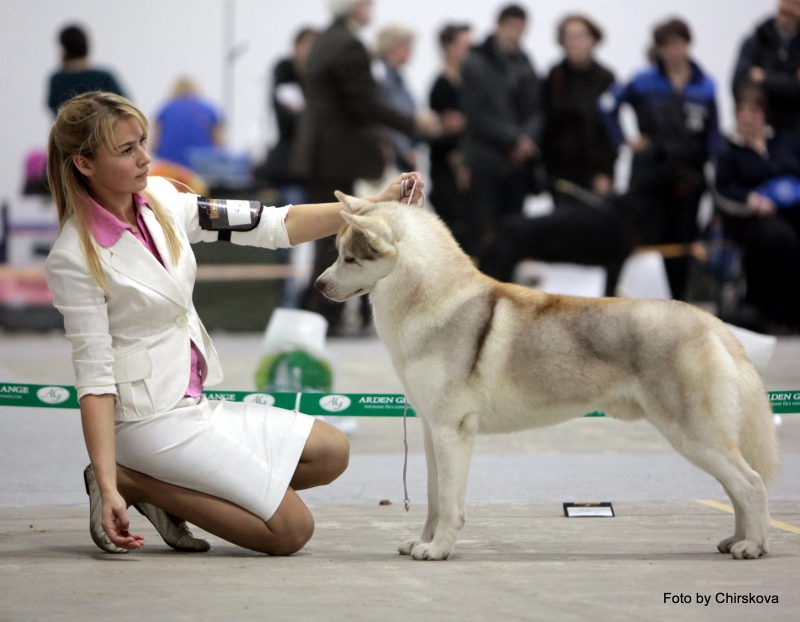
291	530
329	448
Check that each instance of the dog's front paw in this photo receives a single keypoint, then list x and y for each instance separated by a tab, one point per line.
408	546
748	549
726	545
431	552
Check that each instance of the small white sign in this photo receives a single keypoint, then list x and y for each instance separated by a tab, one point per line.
588	508
238	213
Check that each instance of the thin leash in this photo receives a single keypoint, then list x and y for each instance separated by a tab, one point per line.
404	187
406	500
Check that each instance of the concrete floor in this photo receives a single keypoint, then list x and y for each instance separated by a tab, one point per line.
517	558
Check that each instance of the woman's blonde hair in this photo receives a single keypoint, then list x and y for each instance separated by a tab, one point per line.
83	125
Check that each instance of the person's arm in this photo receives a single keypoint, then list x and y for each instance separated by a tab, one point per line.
533	105
81	300
726	178
785	86
604	156
97	419
312	221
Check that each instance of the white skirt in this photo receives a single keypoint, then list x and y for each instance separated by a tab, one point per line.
245	453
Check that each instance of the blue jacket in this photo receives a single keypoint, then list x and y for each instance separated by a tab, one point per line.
683	127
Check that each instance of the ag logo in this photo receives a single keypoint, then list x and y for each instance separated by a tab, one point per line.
260	398
335	403
52	395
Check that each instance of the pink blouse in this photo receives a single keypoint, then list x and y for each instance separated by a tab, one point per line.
107	229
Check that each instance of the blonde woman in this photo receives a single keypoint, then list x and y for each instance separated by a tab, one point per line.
122	274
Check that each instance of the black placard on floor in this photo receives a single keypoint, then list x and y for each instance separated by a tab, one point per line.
579	509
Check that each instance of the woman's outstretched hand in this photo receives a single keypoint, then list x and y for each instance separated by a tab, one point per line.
116	524
400	191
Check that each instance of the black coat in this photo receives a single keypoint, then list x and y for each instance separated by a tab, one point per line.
338	134
780	61
501	96
740	169
576	145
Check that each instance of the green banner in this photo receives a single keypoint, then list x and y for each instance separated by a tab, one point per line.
343	404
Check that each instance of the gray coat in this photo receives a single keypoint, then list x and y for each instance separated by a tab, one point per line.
502	101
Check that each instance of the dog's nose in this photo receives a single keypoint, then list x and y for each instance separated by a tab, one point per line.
319	284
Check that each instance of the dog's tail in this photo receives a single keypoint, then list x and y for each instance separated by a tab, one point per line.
758	439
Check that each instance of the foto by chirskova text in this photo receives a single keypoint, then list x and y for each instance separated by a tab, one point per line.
720	598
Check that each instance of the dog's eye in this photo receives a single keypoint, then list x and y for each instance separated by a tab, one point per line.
350	260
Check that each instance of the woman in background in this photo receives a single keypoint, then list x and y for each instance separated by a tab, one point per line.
674	101
768	235
449	174
576	146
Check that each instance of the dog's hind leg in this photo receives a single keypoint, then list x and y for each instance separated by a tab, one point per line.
738	533
452	446
721	457
433	495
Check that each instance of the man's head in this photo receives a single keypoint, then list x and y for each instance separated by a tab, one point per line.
789	14
358	11
511	24
74	43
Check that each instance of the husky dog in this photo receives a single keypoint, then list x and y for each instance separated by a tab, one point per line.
479	356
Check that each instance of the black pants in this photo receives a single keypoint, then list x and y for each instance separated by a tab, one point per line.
771	248
573	233
669	218
321	191
491	199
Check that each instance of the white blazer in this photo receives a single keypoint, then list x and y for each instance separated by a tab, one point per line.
135	342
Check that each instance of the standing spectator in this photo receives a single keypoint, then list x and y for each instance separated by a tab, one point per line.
675	106
449	175
576	145
338	135
186	122
502	104
768	236
76	76
288	102
394	51
771	57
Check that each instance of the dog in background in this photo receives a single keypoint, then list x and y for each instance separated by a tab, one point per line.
479	356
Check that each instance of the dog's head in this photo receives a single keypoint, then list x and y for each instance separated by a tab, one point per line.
366	251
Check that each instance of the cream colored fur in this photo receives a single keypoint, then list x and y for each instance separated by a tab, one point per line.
478	356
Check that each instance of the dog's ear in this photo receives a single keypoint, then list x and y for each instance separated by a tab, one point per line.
353	204
378	235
